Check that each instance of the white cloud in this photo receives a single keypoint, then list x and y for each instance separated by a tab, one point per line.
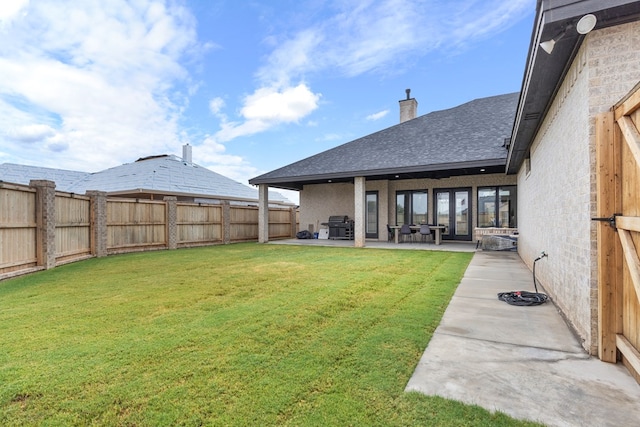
477	19
212	155
9	9
378	115
268	107
284	106
357	38
292	57
103	75
330	137
363	36
31	133
216	105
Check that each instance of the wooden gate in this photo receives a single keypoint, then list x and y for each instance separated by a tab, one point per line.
618	208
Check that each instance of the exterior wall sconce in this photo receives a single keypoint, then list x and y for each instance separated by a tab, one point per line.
584	26
549	44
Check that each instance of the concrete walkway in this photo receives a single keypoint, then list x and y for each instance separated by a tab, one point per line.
522	361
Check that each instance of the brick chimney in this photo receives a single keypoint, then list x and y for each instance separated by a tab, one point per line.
408	108
186	153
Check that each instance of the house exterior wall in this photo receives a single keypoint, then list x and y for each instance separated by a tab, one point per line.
473	182
319	201
557	190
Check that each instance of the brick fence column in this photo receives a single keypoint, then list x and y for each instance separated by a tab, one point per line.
46	222
226	222
98	223
172	221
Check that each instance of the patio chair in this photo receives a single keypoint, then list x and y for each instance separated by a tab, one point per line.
425	231
391	232
405	231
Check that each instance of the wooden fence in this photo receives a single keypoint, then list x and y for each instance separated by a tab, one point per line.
41	228
17	228
199	224
134	225
72	227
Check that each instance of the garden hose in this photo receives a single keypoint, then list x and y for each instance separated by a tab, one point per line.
525	298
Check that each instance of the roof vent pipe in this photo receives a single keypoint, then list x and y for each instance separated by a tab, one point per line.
186	153
408	107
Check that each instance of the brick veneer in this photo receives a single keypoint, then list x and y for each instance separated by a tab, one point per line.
556	199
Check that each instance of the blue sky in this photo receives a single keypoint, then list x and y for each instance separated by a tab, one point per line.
251	85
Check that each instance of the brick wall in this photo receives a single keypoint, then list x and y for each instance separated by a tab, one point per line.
319	202
556	200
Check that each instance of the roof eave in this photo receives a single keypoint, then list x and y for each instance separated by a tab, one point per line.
297	182
544	73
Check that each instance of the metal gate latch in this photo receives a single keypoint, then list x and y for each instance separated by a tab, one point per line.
611	220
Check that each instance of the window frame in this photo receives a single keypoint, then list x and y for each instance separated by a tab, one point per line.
497	203
408	202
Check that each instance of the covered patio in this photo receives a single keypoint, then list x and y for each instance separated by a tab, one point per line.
445	168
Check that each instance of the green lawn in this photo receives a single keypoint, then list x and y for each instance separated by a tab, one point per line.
242	334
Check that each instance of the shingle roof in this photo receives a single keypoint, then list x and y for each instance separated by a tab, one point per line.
22	174
469	135
159	174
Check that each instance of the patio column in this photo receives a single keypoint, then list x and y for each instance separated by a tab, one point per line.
360	210
263	213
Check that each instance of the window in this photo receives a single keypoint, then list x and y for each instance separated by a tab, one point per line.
412	207
497	207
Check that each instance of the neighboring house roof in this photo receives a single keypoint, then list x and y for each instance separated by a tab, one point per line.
22	174
545	72
458	141
164	174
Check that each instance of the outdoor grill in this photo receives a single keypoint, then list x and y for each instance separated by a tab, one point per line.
340	227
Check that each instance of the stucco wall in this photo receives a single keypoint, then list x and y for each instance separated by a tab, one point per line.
319	201
556	199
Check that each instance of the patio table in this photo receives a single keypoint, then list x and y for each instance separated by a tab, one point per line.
437	228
